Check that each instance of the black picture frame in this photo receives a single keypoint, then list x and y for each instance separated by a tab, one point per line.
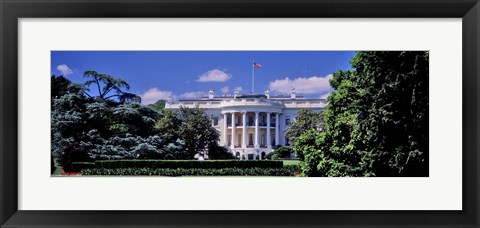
12	10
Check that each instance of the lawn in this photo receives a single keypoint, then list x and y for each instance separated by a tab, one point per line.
291	162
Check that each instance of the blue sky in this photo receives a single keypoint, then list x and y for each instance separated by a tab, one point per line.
189	74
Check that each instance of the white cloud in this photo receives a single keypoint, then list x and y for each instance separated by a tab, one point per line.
224	89
192	95
153	95
309	85
238	88
324	96
214	75
64	69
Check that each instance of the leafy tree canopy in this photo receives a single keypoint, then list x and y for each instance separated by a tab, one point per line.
376	122
305	120
159	105
85	127
193	126
108	87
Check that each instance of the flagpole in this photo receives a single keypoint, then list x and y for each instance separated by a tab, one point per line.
253	74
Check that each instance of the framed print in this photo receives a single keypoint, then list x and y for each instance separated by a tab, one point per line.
267	113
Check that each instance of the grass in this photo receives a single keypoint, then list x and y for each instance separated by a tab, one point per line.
291	162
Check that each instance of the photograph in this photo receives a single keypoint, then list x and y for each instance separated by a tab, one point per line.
282	113
239	113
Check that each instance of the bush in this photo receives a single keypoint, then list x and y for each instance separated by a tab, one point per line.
284	151
275	156
217	164
293	168
79	166
189	172
269	155
220	152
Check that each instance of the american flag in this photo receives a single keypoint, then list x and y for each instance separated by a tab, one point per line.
257	65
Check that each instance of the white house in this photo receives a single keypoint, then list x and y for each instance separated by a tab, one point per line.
259	121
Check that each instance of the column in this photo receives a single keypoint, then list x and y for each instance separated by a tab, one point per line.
256	131
244	130
269	138
225	128
277	129
233	130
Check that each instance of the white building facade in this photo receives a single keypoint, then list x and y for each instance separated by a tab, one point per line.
251	125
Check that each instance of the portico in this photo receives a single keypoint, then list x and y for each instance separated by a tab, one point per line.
250	132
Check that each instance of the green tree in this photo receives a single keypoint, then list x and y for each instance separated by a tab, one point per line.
305	120
196	131
169	125
159	105
108	87
376	121
84	127
193	126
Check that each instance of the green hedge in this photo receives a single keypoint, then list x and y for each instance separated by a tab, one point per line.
79	166
215	164
293	168
189	172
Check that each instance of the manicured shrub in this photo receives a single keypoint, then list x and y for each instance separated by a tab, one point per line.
284	151
189	172
79	166
270	155
220	153
275	156
293	168
216	164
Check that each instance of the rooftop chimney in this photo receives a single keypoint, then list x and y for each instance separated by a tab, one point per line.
211	94
267	93
292	93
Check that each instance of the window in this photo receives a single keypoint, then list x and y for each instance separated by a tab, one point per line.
287	121
215	121
250	121
250	139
